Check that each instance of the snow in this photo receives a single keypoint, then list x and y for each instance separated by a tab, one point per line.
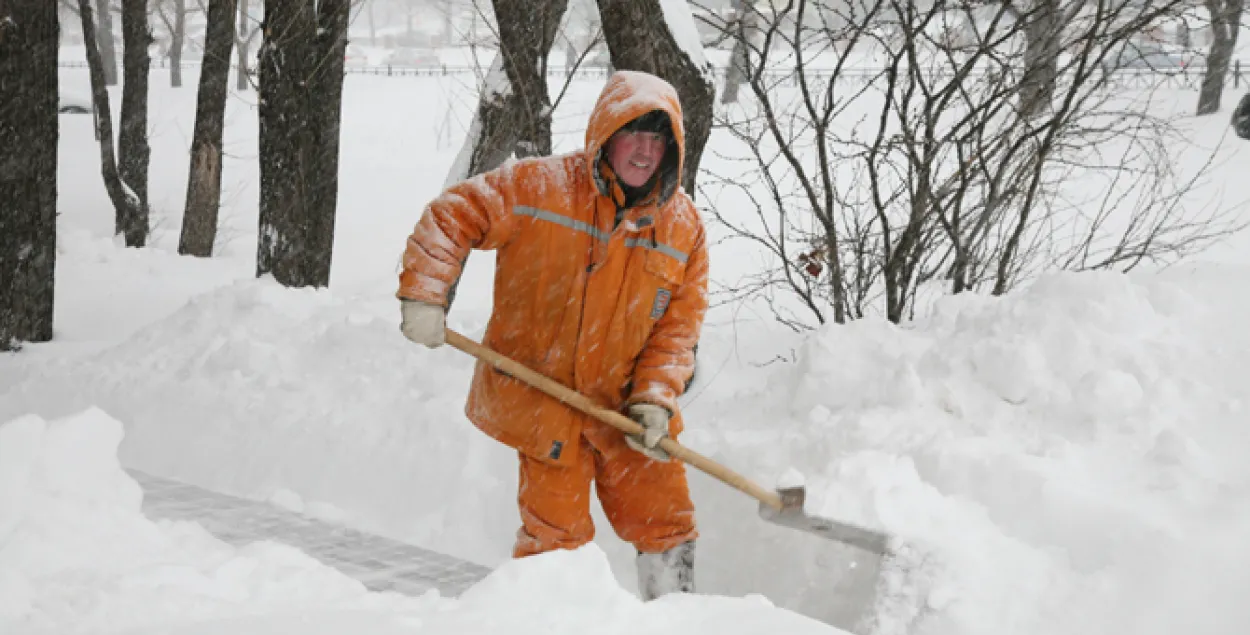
495	83
1069	458
65	495
790	479
1058	444
680	23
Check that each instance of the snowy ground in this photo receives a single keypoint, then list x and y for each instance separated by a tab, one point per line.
1067	459
63	495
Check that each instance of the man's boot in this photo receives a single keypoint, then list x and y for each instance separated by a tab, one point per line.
671	571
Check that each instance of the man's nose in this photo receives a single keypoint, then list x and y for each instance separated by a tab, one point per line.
651	145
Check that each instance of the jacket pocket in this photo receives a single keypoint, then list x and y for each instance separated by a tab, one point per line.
664	263
666	273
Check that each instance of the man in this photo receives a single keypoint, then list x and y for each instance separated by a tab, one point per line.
600	284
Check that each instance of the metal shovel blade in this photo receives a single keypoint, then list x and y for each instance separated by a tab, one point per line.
791	515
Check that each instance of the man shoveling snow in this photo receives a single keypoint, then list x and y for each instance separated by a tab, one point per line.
601	285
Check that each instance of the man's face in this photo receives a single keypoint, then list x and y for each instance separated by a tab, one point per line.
635	156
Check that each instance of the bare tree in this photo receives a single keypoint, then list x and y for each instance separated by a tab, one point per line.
199	221
514	111
743	22
948	158
107	43
1225	25
128	207
28	157
248	29
1044	24
301	95
513	116
642	35
174	14
134	153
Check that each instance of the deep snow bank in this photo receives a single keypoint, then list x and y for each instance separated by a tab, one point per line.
262	391
76	555
1066	459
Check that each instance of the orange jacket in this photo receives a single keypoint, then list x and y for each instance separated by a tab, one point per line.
611	313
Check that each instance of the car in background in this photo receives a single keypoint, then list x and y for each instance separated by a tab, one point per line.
1145	57
354	57
74	103
409	57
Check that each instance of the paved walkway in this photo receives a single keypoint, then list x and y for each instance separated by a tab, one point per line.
380	563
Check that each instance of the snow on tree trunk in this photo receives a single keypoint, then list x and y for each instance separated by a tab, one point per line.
514	111
28	158
1225	22
659	37
301	95
474	153
527	31
107	43
134	154
125	201
199	221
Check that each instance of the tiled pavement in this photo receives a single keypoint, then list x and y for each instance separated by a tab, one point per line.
380	563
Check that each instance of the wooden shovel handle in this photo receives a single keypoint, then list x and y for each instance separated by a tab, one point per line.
615	419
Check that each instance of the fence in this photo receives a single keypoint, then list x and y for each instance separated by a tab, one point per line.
1131	78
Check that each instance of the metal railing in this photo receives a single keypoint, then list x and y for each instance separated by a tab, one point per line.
1129	78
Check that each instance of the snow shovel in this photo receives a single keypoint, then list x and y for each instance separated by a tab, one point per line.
783	507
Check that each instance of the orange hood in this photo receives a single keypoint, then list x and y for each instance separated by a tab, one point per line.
627	96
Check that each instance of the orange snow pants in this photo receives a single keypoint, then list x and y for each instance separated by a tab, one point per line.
646	501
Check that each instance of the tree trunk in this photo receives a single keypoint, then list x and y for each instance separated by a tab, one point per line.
125	204
514	110
176	38
301	91
199	220
519	121
107	43
1225	22
28	155
640	39
244	36
1043	31
133	151
741	29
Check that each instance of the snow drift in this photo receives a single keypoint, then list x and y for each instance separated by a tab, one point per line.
1068	458
76	555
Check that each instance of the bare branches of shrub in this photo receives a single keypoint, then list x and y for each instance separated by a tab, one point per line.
887	148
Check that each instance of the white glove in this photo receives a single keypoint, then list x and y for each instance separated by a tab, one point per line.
654	420
423	323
